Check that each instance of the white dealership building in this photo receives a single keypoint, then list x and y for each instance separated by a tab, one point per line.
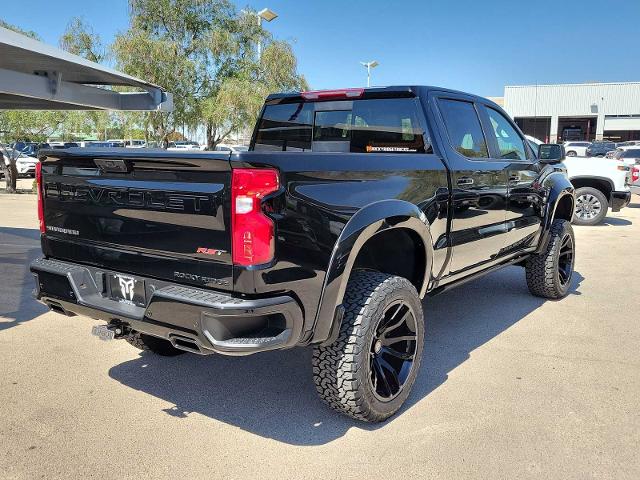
585	111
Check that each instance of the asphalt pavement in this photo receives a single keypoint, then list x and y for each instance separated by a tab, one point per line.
511	387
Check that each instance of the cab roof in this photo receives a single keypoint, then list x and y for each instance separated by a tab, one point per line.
394	91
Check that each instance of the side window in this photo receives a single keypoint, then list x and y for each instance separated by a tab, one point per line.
510	144
463	126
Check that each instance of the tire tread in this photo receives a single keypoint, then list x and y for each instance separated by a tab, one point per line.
336	373
541	269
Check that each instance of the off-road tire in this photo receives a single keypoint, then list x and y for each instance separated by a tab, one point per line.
153	344
542	270
341	370
603	211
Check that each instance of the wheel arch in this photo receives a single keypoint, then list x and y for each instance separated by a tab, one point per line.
603	184
560	204
370	226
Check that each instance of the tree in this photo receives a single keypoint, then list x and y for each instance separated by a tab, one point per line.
237	102
80	39
25	125
203	51
7	119
28	33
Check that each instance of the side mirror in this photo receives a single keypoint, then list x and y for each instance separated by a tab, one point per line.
551	153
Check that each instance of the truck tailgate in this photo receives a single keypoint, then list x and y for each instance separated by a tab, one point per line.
148	212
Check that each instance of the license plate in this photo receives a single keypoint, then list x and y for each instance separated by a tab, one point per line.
103	333
125	289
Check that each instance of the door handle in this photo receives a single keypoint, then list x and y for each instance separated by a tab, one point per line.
464	181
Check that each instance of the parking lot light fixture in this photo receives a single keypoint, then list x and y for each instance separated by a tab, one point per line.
369	66
267	14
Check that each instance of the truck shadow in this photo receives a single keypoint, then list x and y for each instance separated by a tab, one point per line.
18	248
272	394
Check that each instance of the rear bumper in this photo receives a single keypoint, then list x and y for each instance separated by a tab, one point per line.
193	319
619	200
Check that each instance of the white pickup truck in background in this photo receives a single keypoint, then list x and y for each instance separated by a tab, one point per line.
600	183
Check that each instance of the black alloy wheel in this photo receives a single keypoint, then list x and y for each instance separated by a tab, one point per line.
392	351
369	370
565	259
549	273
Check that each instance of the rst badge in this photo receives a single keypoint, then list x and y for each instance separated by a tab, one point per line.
210	251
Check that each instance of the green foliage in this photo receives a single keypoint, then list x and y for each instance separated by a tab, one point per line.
30	125
80	39
203	51
279	67
28	33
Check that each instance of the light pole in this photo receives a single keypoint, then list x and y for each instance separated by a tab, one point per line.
268	15
369	66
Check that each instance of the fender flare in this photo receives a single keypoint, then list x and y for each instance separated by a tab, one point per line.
369	221
559	186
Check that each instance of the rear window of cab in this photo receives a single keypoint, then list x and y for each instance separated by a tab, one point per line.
360	126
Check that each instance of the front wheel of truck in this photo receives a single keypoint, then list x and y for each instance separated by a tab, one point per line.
368	372
591	206
549	273
153	344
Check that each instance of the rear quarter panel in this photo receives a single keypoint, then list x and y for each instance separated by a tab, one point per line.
320	192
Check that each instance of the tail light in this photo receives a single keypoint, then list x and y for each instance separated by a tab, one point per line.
40	199
253	232
635	174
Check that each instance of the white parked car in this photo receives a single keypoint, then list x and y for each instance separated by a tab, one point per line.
600	183
128	143
25	164
576	149
230	148
183	145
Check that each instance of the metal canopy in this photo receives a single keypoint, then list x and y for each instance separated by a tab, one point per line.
37	76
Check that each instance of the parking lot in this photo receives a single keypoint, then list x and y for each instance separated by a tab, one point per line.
511	386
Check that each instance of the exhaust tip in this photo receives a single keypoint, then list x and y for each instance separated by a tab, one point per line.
185	343
58	308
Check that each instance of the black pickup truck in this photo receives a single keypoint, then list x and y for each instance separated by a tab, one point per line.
350	208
